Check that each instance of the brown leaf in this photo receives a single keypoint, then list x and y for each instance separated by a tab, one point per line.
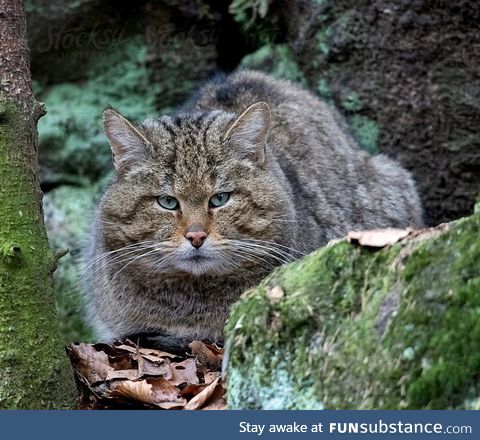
148	353
207	355
139	390
215	349
201	398
123	374
165	394
210	376
161	368
122	361
93	365
217	399
378	238
184	372
192	390
156	391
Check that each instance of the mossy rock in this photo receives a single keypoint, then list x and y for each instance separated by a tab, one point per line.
349	327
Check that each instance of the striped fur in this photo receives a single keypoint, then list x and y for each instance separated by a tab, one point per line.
309	184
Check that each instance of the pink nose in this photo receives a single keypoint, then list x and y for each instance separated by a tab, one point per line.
196	236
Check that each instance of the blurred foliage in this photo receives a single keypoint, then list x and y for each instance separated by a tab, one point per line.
71	137
67	213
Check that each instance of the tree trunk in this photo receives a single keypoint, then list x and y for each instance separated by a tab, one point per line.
34	371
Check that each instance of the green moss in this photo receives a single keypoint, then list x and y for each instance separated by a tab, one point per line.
351	102
322	39
365	131
34	371
277	60
70	135
323	89
395	328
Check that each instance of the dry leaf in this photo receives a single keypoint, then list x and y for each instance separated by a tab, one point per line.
217	399
378	238
165	393
90	363
200	399
148	353
126	375
157	391
161	368
139	390
210	376
207	355
184	372
192	390
123	374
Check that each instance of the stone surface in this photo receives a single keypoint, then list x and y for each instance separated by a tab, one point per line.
356	328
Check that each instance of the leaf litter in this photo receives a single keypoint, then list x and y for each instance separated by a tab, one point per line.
124	375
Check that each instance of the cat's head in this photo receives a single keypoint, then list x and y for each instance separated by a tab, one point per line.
195	193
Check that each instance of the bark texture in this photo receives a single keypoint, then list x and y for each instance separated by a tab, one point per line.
34	371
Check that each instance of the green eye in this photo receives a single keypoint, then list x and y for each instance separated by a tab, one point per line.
219	199
168	202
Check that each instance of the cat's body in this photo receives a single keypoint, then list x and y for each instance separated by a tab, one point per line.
310	184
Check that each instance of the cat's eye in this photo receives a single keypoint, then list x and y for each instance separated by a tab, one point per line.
168	202
219	199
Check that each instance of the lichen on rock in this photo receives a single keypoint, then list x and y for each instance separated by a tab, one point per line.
396	328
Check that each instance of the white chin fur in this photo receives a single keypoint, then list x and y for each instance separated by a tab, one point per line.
203	267
203	261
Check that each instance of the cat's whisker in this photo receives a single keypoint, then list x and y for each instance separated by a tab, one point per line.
264	252
131	248
288	248
272	256
105	264
248	256
133	259
110	262
268	250
228	262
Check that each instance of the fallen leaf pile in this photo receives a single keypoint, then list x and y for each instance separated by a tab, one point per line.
124	375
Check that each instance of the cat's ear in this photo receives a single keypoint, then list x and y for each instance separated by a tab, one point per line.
129	146
250	130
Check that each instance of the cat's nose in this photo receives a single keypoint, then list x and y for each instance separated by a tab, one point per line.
196	235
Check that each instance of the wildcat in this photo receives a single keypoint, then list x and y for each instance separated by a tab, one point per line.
253	172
